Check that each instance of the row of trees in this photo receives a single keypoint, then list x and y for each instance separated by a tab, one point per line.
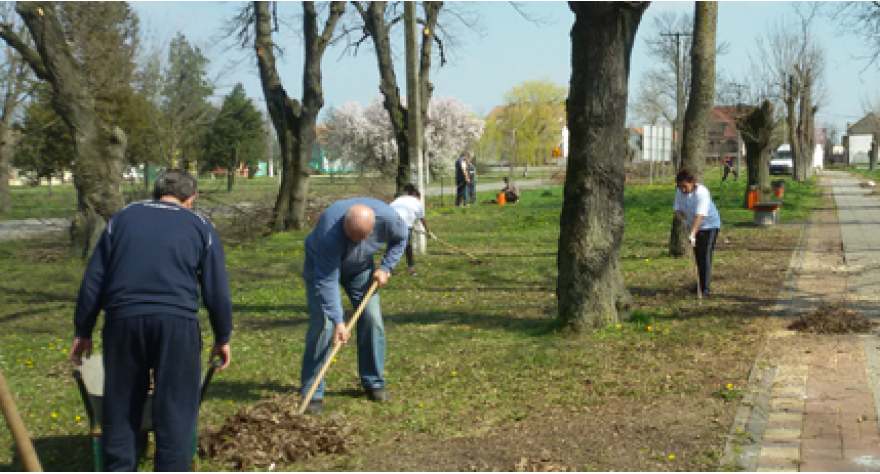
523	132
590	285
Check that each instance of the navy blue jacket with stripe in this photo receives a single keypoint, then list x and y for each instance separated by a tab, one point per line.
153	258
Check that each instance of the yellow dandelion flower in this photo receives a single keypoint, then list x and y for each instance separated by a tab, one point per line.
421	405
54	415
618	326
454	373
334	359
78	418
730	385
650	328
671	457
647	259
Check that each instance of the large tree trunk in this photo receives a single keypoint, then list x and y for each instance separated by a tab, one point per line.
15	78
756	128
100	148
590	286
5	172
806	131
695	133
792	124
378	30
294	122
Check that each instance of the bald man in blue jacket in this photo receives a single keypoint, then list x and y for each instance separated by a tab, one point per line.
339	252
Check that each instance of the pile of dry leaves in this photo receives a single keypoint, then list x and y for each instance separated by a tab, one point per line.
832	318
271	432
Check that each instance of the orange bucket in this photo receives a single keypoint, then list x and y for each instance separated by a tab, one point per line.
752	199
779	192
501	199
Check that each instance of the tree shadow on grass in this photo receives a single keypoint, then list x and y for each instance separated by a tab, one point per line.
35	296
246	391
535	327
63	453
30	312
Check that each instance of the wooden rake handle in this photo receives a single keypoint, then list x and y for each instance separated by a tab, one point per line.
453	247
336	346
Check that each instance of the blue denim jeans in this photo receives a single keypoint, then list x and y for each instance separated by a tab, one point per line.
369	332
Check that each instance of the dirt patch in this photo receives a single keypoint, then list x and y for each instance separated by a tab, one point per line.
832	318
271	432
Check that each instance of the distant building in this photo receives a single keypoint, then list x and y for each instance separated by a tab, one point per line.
722	135
858	139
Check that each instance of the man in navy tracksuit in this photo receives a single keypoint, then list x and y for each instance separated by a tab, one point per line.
146	273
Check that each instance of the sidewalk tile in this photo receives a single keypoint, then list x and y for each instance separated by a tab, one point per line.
788	391
785	418
822	444
826	465
786	453
813	454
824	419
787	434
787	404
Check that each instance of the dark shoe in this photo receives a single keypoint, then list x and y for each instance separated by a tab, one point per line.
316	407
378	395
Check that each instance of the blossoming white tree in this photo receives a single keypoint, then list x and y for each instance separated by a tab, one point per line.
363	135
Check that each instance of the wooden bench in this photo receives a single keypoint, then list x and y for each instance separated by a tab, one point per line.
767	212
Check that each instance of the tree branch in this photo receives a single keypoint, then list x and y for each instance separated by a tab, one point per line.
29	54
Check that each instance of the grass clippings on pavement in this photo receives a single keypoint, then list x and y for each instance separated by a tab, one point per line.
832	318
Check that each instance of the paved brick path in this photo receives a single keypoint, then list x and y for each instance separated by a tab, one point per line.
811	404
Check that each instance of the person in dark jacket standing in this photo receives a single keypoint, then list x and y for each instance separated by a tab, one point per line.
339	253
462	180
472	182
145	274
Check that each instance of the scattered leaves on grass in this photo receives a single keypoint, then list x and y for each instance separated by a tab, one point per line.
832	318
272	432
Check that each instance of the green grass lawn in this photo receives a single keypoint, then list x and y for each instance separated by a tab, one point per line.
60	200
471	349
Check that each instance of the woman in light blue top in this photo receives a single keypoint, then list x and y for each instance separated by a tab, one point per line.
693	205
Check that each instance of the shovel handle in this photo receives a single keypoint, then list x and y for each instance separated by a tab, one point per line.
19	432
336	346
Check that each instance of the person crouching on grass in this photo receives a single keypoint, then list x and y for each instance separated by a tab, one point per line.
693	205
410	207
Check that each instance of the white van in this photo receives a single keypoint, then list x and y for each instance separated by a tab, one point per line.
781	162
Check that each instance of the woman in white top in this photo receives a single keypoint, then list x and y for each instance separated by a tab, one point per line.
410	207
693	205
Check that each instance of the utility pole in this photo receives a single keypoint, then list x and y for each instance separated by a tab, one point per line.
739	141
679	97
414	114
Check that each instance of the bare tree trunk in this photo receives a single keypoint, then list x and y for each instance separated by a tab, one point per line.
699	110
100	148
590	286
791	121
378	30
294	122
16	75
806	129
5	174
756	128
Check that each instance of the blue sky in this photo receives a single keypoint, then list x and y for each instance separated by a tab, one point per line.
511	50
